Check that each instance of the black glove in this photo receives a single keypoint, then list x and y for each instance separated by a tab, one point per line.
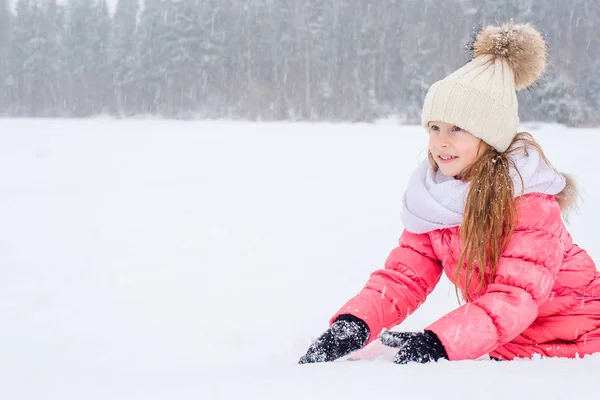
347	334
421	347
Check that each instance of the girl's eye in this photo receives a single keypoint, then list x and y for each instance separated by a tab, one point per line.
457	128
435	128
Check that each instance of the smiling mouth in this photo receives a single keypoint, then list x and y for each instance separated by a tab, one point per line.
447	158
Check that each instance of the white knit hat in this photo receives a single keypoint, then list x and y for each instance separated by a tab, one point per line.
481	97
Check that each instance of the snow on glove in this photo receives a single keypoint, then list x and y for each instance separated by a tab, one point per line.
421	347
347	334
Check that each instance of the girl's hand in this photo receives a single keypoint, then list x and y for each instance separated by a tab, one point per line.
421	347
347	334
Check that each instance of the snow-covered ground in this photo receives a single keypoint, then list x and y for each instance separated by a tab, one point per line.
198	260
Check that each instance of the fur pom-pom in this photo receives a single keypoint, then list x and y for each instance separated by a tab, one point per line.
521	45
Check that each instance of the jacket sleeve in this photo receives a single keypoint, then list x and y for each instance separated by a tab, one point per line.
410	273
524	279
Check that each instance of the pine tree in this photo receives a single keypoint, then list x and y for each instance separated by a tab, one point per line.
5	32
250	66
36	59
123	56
100	80
50	56
26	60
280	59
299	26
87	61
150	75
183	57
54	56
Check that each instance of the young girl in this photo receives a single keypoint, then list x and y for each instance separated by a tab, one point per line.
486	209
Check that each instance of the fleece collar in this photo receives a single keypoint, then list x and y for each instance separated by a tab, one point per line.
435	201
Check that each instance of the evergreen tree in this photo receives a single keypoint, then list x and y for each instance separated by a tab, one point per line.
52	58
123	56
101	83
86	43
5	32
26	60
151	73
183	57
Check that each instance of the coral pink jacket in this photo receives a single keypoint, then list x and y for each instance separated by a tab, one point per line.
544	299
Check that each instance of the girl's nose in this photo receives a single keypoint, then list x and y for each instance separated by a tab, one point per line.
441	141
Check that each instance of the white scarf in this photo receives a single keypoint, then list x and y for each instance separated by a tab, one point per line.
435	201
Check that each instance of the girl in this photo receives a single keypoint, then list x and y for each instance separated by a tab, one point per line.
485	208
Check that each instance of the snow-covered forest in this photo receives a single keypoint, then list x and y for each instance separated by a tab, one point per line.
276	60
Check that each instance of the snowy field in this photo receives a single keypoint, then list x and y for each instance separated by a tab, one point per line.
198	260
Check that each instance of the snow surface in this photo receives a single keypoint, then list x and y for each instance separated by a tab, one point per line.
149	259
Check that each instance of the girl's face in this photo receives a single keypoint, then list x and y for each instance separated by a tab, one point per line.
452	148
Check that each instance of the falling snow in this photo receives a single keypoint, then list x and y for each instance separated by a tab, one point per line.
162	260
276	60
